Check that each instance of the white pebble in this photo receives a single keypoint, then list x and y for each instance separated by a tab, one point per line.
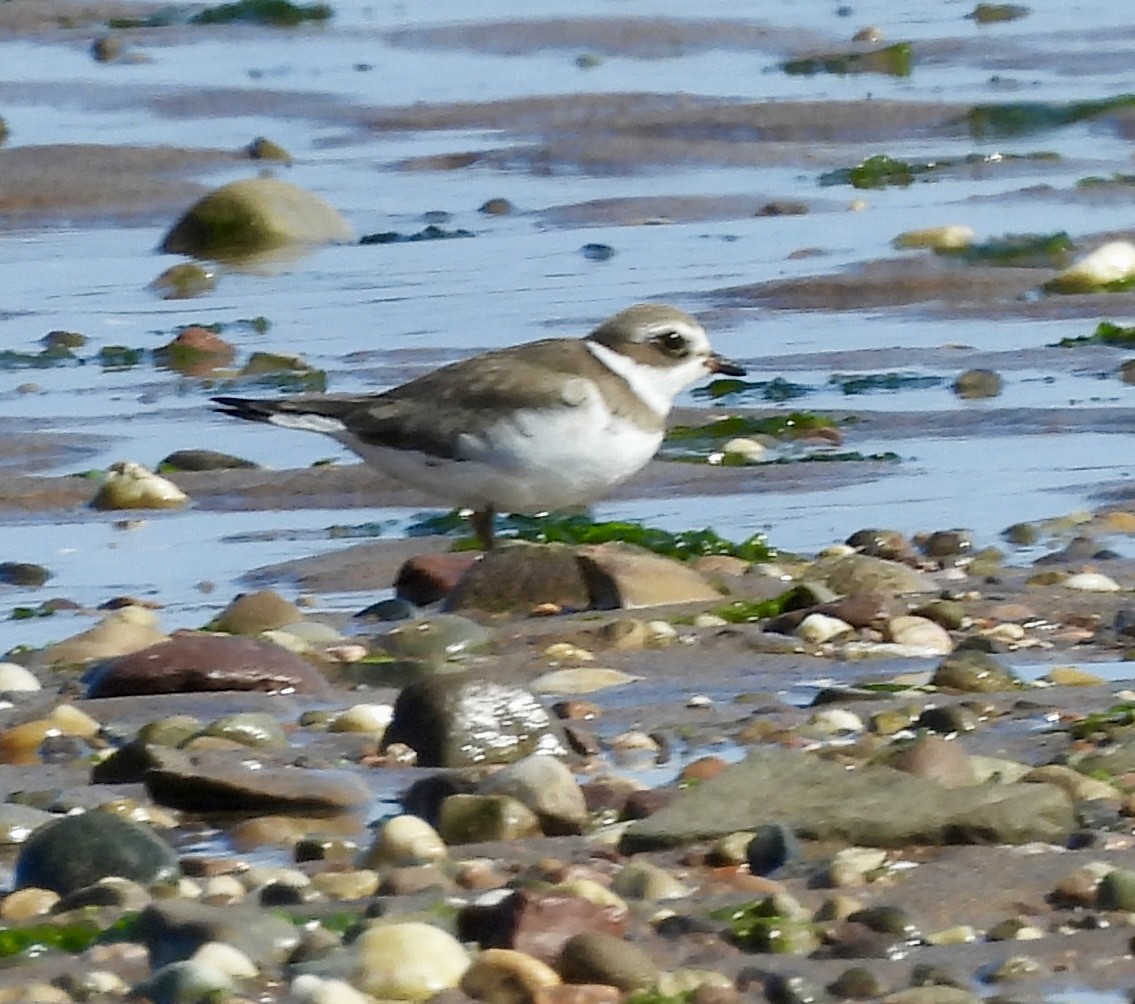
818	628
15	677
1092	582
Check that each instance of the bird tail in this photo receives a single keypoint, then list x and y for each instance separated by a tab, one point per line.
244	407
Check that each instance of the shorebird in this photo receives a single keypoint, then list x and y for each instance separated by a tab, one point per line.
530	428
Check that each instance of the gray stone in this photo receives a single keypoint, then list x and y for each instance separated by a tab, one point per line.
172	930
457	720
547	786
595	957
860	573
76	851
871	806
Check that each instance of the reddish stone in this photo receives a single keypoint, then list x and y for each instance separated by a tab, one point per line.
647	802
190	662
537	923
703	768
427	578
577	993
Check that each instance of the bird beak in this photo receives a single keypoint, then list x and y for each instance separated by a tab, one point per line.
727	367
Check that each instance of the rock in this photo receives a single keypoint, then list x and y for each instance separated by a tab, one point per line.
205	460
263	148
497	207
184	281
873	806
434	641
951	237
622	576
191	662
216	782
458	720
119	633
405	840
975	672
520	576
195	351
249	728
818	628
23	573
583	680
251	613
935	759
310	989
253	216
596	957
975	384
472	819
643	881
1091	582
1111	262
428	578
14	678
771	847
546	785
537	923
408	961
183	982
128	485
175	929
862	573
920	633
505	976
76	851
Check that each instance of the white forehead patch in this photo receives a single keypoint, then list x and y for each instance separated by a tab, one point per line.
655	386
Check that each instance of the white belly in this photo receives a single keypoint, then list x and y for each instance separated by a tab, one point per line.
531	462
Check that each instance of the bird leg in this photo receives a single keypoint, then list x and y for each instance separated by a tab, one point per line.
482	522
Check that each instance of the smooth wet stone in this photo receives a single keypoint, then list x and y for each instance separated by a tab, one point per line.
644	881
249	728
1080	787
974	671
408	961
920	633
428	578
308	988
207	781
1111	262
468	819
505	976
862	573
251	613
405	840
520	576
119	633
627	577
976	384
458	720
595	957
23	573
174	929
818	628
252	216
772	846
184	281
191	662
204	460
433	640
580	680
18	822
537	923
76	851
1091	582
185	983
935	759
871	806
14	678
129	485
546	786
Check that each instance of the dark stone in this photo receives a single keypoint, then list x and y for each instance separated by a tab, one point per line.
598	957
537	923
393	609
647	801
975	672
191	662
519	577
76	851
23	573
428	578
423	798
597	252
772	847
456	720
205	460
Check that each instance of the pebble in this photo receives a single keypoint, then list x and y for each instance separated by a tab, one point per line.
408	961
1091	582
920	633
583	680
505	976
1108	263
129	485
820	628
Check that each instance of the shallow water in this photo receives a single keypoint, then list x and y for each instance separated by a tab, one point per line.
373	315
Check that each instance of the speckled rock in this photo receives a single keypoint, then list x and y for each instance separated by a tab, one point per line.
76	851
192	662
458	720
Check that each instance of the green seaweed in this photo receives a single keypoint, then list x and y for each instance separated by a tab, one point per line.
867	383
1117	717
46	609
995	13
879	171
1115	181
759	926
276	12
1020	118
48	357
1106	333
750	611
1051	250
894	60
776	390
796	423
430	233
576	529
73	937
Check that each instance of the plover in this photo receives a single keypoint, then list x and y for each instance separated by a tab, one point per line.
530	428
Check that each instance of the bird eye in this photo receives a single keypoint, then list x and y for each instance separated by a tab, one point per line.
672	343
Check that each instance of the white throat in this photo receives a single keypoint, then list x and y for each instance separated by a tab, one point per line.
655	387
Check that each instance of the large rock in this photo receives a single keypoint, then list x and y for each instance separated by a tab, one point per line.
547	786
457	720
851	574
202	662
253	216
76	851
871	806
409	961
219	782
120	632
